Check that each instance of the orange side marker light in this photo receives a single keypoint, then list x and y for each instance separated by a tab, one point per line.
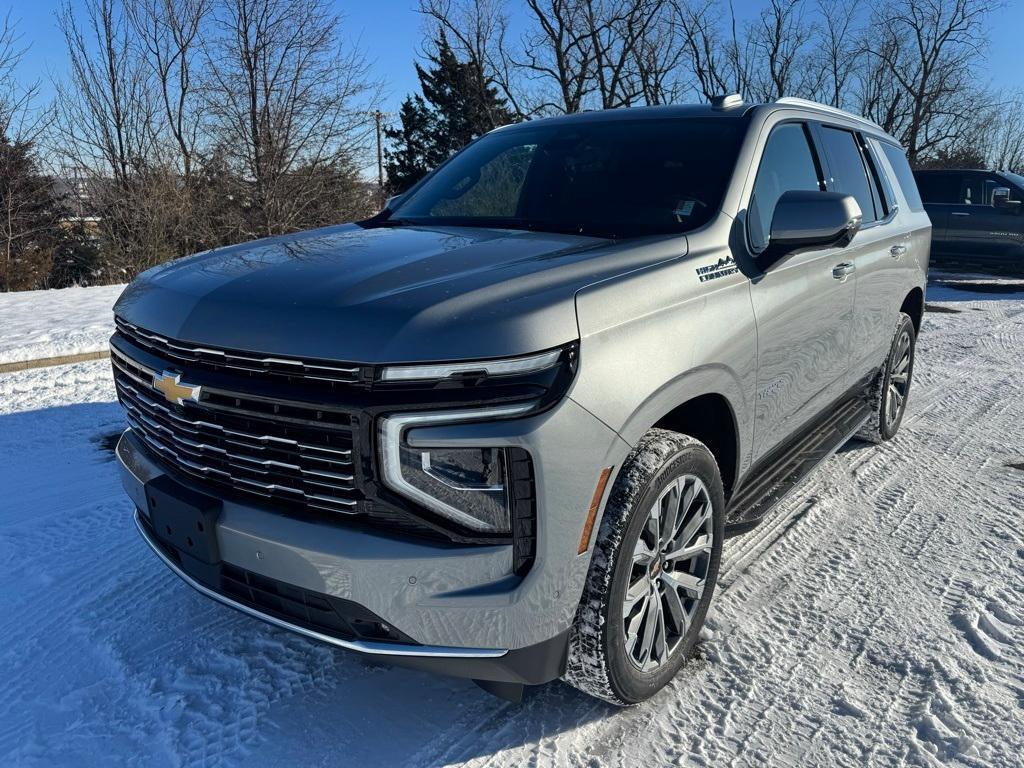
595	504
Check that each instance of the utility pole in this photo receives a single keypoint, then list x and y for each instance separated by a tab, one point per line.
378	116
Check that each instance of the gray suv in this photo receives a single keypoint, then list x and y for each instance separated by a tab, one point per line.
502	429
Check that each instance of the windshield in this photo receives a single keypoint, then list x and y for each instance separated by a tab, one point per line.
1016	178
615	178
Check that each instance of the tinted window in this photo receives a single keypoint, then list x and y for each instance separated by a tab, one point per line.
616	178
940	188
1017	179
787	163
972	190
495	193
904	176
849	175
992	183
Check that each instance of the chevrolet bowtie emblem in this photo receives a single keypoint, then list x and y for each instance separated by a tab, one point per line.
170	386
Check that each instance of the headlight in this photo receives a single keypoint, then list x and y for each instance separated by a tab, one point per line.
467	485
509	366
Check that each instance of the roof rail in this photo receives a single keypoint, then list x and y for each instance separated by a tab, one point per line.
792	101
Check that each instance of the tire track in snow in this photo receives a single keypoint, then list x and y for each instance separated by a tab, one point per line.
845	631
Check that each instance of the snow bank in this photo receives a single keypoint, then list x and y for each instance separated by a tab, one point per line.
37	324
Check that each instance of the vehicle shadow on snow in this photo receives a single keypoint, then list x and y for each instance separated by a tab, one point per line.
951	287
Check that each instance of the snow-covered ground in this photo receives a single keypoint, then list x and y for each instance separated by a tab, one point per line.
39	324
877	618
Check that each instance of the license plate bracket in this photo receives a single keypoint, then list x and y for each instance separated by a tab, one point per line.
183	518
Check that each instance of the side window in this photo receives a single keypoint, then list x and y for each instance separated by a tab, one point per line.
972	190
904	176
849	174
939	188
786	164
992	183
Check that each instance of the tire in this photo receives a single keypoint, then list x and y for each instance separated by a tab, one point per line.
606	659
891	388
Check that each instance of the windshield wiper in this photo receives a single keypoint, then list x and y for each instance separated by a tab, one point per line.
394	223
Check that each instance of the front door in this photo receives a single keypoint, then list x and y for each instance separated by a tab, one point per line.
803	305
804	311
984	232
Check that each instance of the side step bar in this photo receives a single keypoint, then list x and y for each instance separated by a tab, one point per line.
770	483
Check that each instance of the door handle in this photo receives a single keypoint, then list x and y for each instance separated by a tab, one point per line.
959	213
897	250
844	270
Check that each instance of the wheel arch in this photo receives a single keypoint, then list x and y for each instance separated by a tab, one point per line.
913	305
706	403
711	419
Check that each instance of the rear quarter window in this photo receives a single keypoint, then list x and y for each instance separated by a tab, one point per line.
904	176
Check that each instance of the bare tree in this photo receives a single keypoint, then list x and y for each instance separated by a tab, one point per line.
477	31
104	110
103	128
659	56
879	96
617	29
837	49
1000	133
283	94
780	38
926	51
168	32
719	62
558	55
18	120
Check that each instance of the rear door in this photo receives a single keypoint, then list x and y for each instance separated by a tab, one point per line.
876	251
803	311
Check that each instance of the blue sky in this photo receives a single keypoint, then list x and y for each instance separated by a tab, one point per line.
390	31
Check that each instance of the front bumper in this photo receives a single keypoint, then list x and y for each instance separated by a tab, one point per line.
462	608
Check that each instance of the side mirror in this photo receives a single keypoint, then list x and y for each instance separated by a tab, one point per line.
1001	198
805	221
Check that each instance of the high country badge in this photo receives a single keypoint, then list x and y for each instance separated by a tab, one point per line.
720	268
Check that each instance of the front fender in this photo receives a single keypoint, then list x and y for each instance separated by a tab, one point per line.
659	337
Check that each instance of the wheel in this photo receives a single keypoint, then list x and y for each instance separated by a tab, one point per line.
653	571
889	392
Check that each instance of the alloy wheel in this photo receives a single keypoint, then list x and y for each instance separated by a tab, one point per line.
668	572
899	381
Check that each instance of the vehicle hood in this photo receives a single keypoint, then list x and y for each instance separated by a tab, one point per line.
381	294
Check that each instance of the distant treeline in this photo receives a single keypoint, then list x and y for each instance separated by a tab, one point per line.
187	124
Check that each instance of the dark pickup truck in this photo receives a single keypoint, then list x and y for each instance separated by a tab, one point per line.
977	219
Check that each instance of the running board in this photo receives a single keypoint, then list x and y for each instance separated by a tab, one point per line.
773	481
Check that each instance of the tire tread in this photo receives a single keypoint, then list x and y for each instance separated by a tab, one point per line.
588	667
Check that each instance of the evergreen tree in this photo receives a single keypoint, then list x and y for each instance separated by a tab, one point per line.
30	219
414	149
458	104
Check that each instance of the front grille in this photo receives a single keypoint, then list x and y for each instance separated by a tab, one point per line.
289	451
243	363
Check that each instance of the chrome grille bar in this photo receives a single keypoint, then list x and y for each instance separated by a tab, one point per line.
295	460
234	360
246	404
